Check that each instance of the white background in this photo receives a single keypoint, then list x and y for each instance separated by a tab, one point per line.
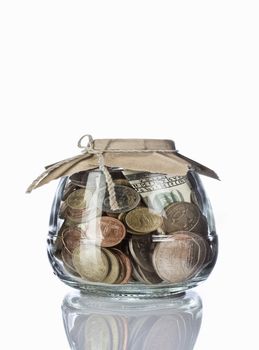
185	70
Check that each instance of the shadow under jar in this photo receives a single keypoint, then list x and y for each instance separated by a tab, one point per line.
158	239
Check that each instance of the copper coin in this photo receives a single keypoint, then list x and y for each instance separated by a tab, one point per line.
143	220
126	197
180	256
181	216
126	264
72	237
106	231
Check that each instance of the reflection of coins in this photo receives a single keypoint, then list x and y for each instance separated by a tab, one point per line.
143	220
140	249
182	216
114	264
106	231
97	333
171	329
90	262
126	197
72	237
79	199
180	256
126	267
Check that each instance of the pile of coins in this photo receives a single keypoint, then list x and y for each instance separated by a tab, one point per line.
133	243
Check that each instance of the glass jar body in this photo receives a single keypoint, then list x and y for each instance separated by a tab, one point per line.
158	239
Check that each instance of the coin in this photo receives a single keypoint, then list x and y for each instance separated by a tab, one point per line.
149	277
90	262
180	256
114	271
140	249
136	275
106	231
126	197
79	199
72	237
143	220
182	216
127	267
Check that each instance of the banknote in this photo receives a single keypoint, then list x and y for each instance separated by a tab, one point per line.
159	190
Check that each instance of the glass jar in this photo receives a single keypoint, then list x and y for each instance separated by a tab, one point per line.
116	230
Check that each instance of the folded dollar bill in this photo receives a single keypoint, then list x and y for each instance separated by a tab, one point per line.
159	190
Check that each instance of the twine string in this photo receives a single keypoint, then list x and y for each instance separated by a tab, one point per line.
110	184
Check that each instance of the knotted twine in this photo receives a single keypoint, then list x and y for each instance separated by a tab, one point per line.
110	184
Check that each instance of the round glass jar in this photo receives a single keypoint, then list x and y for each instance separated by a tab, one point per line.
115	231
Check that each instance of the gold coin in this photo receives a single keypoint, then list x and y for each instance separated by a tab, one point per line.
114	267
143	220
90	262
79	199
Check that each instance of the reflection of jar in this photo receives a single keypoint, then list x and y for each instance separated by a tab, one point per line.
130	217
99	323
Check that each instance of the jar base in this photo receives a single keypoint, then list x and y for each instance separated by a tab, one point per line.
139	291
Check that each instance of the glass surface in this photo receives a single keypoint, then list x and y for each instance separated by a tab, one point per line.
159	239
93	322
